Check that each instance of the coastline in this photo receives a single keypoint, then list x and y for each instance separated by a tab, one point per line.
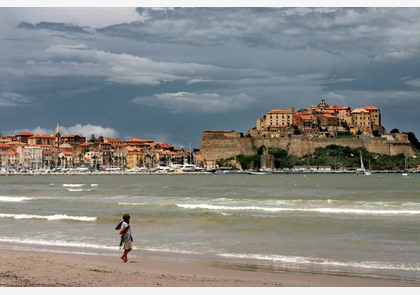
49	269
300	172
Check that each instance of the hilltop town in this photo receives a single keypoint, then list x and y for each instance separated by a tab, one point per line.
320	120
299	133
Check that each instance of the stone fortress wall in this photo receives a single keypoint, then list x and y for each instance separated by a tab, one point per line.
223	144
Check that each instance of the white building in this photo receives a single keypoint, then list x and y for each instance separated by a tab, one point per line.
30	157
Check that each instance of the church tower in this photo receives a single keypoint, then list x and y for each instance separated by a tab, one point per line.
57	137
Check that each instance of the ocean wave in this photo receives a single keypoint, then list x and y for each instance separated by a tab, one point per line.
343	210
56	243
14	199
78	190
344	202
73	184
48	217
133	204
296	260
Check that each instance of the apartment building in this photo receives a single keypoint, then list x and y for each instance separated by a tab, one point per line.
73	139
42	140
276	122
30	157
343	113
375	115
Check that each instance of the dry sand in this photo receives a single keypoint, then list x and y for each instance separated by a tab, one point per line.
45	269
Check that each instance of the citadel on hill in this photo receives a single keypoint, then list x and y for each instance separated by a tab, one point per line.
301	132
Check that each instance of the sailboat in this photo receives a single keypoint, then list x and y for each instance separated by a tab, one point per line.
362	170
368	172
405	173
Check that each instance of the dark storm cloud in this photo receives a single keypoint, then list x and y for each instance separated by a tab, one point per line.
79	60
59	27
359	44
197	103
220	67
377	33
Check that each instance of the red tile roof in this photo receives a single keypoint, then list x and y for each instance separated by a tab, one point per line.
42	136
337	108
360	110
329	116
137	140
116	140
280	111
25	134
306	117
371	108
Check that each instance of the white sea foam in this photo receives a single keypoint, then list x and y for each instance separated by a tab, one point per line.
73	184
48	217
58	243
78	190
296	260
342	210
14	199
324	262
132	204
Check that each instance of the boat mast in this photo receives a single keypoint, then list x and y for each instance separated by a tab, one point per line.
361	162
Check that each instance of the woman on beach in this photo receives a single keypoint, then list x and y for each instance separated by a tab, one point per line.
126	237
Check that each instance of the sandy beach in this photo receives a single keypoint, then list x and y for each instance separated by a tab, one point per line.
46	269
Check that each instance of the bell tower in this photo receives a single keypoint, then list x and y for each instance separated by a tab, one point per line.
57	137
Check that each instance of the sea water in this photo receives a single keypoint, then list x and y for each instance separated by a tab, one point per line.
366	226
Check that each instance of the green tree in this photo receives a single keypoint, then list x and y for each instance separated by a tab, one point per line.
413	140
296	130
345	125
249	162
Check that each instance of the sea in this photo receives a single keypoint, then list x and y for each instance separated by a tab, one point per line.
342	224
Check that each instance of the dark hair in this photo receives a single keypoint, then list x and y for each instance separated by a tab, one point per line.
126	216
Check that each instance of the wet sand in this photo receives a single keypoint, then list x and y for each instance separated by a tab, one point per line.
46	269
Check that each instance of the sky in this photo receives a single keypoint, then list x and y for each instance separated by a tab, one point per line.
168	74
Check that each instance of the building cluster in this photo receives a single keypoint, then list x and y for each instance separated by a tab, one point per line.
47	151
319	120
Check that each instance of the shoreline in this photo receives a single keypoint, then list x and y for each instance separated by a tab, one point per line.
302	172
50	269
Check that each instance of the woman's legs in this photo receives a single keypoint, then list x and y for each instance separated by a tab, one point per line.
124	256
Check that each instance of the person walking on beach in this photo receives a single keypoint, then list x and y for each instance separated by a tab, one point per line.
126	237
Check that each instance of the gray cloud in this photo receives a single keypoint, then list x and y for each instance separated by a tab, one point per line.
58	27
413	82
224	67
377	32
186	102
84	130
8	99
78	60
